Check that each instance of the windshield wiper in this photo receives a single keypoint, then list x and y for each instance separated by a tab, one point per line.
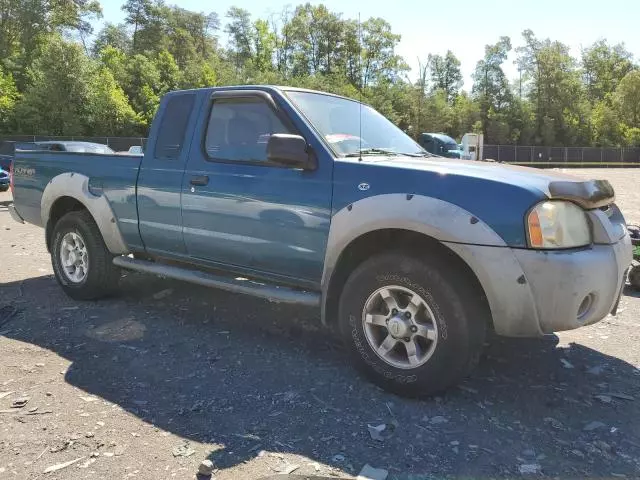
418	154
372	151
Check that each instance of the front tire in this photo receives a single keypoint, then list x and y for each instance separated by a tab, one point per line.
414	325
82	264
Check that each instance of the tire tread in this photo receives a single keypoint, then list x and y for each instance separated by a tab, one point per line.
456	290
103	276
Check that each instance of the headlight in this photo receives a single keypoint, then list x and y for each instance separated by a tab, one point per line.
558	225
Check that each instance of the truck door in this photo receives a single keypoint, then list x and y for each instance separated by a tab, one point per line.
159	185
243	212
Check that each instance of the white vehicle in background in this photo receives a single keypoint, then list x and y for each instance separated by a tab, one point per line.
133	150
472	146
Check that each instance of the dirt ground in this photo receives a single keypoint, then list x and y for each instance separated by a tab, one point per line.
148	384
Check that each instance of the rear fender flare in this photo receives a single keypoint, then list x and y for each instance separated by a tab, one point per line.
76	186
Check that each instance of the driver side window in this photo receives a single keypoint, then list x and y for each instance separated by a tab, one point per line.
239	130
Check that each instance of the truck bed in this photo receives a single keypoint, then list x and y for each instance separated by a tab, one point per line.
114	175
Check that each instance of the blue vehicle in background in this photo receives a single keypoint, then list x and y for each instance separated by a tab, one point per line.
440	144
4	180
314	199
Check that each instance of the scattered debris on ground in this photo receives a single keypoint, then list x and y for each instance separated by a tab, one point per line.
370	473
140	388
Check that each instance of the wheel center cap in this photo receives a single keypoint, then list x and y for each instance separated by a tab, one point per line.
73	258
397	327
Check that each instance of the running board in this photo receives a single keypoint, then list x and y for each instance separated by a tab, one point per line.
278	294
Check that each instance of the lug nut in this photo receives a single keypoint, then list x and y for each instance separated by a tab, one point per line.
394	311
406	339
414	329
407	315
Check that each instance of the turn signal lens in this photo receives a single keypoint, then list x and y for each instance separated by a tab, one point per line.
535	232
558	224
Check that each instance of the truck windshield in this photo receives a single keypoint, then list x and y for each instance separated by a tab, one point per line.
338	120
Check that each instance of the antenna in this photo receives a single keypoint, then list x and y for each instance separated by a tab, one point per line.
361	84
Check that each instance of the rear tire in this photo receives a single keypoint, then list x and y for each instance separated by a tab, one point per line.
82	264
436	335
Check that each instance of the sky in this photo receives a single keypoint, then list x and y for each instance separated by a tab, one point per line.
463	26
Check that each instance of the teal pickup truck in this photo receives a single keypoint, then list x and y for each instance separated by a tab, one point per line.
314	199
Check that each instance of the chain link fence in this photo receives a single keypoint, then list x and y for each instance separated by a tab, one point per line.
564	156
542	157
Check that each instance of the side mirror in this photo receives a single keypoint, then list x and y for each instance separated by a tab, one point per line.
289	150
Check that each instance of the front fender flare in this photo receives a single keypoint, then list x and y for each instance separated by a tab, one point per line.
438	219
76	186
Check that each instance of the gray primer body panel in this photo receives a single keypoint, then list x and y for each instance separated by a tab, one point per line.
76	186
552	285
559	282
530	293
438	219
512	303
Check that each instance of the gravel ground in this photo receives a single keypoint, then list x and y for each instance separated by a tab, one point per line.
150	383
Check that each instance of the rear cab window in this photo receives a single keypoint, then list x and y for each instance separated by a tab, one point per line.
171	134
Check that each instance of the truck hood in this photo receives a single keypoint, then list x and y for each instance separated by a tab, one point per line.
587	193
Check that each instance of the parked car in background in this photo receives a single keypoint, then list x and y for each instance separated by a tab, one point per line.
67	146
4	180
8	148
133	150
440	144
319	200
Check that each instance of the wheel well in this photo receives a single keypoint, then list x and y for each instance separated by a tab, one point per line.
59	209
379	241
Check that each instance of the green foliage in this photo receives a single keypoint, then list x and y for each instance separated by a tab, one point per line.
115	36
8	98
607	129
604	66
555	91
445	74
54	80
71	94
631	136
199	75
264	45
56	101
241	36
492	92
627	99
168	72
109	111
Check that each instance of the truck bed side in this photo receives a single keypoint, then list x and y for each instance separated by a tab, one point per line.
113	176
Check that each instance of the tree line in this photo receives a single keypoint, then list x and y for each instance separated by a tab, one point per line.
59	77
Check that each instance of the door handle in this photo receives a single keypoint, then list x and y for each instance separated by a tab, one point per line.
200	180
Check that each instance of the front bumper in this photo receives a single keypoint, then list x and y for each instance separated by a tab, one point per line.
531	292
573	289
